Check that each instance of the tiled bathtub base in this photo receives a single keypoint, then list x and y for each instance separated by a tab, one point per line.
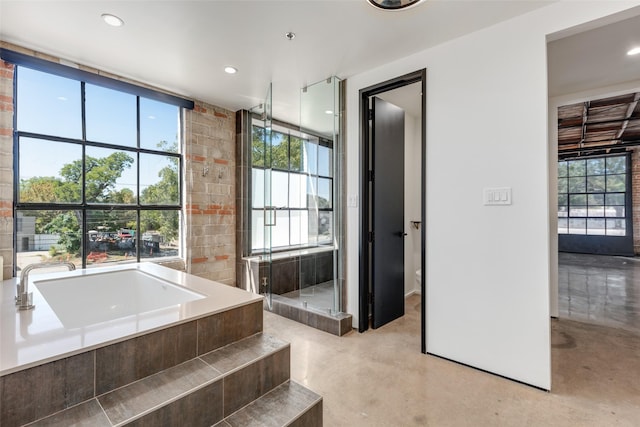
34	393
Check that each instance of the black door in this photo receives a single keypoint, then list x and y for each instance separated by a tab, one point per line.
387	212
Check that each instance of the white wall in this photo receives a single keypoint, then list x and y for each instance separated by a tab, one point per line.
487	298
412	194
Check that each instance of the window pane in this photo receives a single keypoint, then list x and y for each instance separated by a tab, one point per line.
577	185
595	166
577	167
615	211
596	211
563	225
324	193
111	236
48	104
279	151
595	184
616	227
615	199
562	169
159	124
257	188
279	189
616	182
280	231
296	150
563	200
111	116
324	161
577	199
595	199
577	211
616	164
48	235
313	227
577	226
257	230
563	212
258	136
50	172
159	236
325	227
311	157
159	180
110	176
299	227
595	226
562	185
297	191
312	192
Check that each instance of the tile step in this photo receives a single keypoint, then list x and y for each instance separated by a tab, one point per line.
224	378
289	404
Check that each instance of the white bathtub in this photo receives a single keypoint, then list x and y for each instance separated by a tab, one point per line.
89	299
80	310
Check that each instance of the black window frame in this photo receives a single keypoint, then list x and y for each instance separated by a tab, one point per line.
289	130
83	77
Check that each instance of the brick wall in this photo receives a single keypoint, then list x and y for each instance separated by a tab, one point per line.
635	194
209	132
6	167
210	185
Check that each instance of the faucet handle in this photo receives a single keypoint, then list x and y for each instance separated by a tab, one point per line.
26	301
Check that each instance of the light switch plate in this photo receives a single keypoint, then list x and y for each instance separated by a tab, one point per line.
497	196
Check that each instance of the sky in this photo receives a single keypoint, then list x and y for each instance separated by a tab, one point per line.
51	105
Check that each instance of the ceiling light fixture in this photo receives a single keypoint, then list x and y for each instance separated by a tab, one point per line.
634	51
290	35
230	70
112	20
393	4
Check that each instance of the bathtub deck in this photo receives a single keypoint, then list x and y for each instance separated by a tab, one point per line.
35	337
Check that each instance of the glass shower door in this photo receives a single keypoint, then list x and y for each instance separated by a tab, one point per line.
320	274
261	171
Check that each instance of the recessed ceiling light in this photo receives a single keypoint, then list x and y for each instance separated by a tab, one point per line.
290	35
112	20
230	70
634	51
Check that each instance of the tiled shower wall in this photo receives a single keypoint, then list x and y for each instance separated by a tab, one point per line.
209	196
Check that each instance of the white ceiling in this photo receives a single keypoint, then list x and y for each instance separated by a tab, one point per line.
183	46
594	58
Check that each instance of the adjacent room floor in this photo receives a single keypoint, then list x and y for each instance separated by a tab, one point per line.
380	378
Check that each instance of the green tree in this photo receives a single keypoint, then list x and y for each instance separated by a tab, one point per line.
100	177
66	225
100	180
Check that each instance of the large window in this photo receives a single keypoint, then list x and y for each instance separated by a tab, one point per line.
98	172
592	196
291	189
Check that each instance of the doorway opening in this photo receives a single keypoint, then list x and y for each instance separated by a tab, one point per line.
393	205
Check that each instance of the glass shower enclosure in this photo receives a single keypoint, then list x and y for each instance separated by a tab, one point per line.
291	234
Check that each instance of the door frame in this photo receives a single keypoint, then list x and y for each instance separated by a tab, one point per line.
364	211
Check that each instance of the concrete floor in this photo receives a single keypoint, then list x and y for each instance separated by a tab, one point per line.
380	378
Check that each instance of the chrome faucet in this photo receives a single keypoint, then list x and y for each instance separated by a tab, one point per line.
24	298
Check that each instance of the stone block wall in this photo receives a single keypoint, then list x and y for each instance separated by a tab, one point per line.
210	135
210	214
